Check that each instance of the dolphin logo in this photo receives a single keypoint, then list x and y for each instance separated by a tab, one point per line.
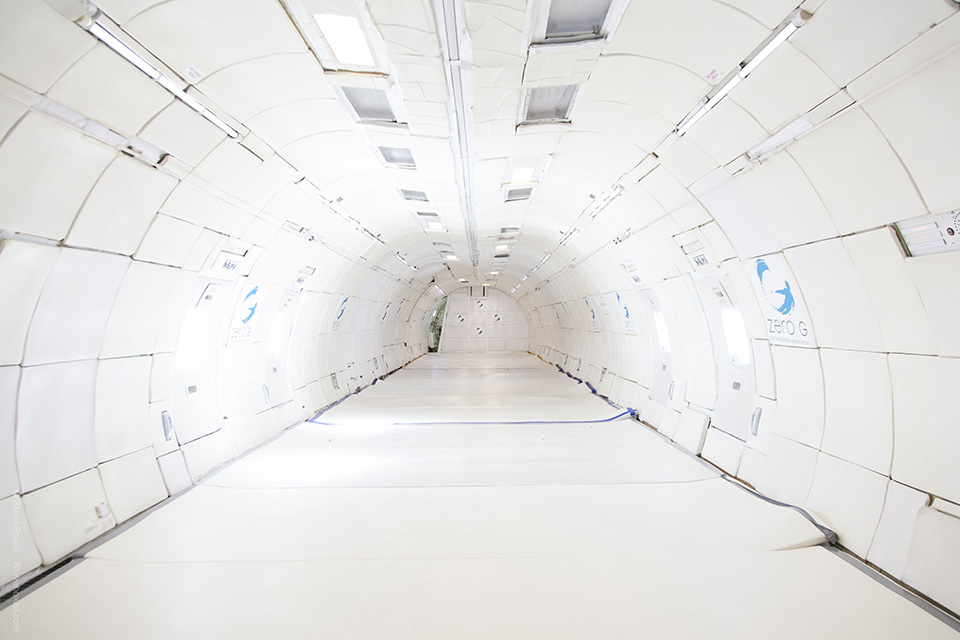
343	307
626	312
252	309
784	302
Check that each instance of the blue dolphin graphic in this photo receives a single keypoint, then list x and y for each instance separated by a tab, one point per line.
788	301
342	308
252	309
625	310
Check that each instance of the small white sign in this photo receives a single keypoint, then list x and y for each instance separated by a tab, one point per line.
339	315
192	75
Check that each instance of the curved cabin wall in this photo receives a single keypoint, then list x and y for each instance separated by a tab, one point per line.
161	315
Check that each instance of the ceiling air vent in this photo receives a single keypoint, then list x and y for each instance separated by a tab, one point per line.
419	196
514	195
371	105
549	104
501	256
398	157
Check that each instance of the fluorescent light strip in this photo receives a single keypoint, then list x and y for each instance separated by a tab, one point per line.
103	35
787	31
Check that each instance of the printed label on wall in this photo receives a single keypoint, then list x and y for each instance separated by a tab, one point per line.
338	318
594	320
629	326
784	313
246	315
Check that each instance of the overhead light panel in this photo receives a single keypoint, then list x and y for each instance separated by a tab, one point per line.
418	196
371	105
500	247
797	19
796	129
451	257
398	156
549	104
101	33
494	273
436	226
576	19
514	195
346	39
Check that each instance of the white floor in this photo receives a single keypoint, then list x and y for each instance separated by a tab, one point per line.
469	497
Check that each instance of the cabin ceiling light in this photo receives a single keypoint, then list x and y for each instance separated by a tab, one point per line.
451	257
794	21
436	226
571	18
549	104
346	39
370	104
500	247
101	33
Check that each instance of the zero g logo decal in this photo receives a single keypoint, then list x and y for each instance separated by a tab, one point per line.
338	318
781	298
245	316
785	316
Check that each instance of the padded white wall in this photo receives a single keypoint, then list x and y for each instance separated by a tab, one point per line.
484	320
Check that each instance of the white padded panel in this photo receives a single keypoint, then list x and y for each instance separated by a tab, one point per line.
18	552
121	406
732	131
174	471
23	270
46	171
168	241
849	498
106	88
737	213
691	430
788	471
892	540
797	218
723	450
933	563
229	167
119	209
132	483
63	516
55	422
189	203
10	112
770	13
800	402
183	133
763	366
776	103
35	61
138	311
924	420
205	454
280	79
161	377
936	279
910	116
836	298
858	175
214	34
859	408
897	305
9	481
74	307
885	25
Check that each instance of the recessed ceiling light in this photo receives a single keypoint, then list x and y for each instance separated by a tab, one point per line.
436	226
409	194
346	39
576	18
370	104
500	247
545	104
451	257
494	273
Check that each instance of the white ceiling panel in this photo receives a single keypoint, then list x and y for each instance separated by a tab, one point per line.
183	133
23	271
120	207
914	117
252	87
637	126
55	439
800	401
687	34
688	161
46	172
37	62
10	111
291	123
727	131
228	167
660	87
881	26
770	13
667	190
784	87
214	34
106	88
859	177
936	280
787	201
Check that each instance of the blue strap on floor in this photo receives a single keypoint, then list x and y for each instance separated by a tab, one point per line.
633	412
